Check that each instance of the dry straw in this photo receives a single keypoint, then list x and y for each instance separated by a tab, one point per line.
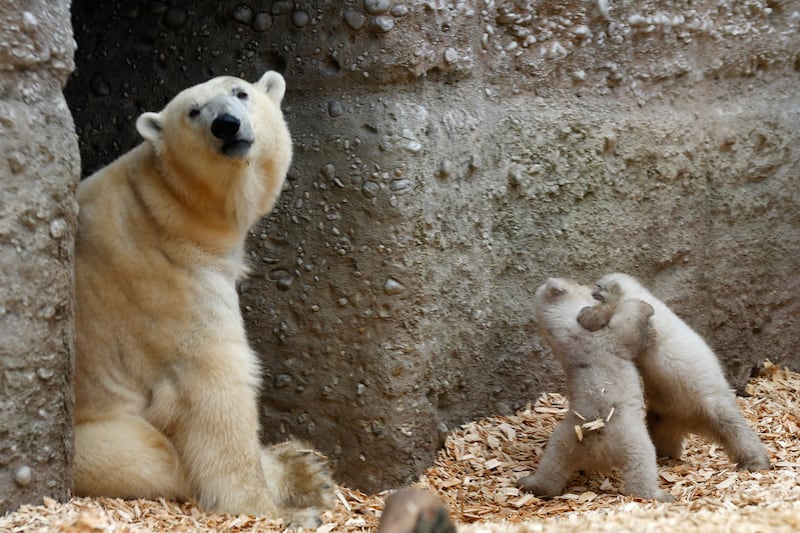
475	475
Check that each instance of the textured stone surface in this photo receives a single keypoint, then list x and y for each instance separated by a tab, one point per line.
450	155
39	170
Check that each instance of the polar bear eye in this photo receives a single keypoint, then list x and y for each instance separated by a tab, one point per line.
241	95
193	113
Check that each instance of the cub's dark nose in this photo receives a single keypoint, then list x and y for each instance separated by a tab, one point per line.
225	127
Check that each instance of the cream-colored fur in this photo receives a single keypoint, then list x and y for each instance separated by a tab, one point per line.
603	388
684	384
165	382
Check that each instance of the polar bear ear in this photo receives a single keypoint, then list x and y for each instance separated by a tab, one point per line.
614	288
273	84
149	126
645	308
554	288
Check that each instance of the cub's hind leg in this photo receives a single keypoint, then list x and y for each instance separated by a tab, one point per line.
727	425
126	457
557	465
638	460
667	434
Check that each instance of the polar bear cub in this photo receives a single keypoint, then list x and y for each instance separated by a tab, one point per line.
605	426
166	384
684	384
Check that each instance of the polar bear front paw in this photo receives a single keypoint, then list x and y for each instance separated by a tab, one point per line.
306	476
304	518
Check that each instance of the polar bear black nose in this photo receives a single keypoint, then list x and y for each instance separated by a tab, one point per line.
225	127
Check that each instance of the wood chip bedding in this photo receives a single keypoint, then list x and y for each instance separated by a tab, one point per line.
475	476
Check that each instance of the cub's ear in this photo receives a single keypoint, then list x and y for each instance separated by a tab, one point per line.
149	126
646	309
273	84
553	288
615	288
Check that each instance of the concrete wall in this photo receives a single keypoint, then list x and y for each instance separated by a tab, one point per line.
39	169
450	155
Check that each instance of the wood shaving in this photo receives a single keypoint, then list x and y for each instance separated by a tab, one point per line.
477	482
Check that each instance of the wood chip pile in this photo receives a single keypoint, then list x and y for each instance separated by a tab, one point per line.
476	471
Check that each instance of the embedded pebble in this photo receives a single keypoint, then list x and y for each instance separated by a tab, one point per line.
399	10
283	284
242	13
262	22
506	18
581	31
23	476
282	380
399	185
29	21
355	19
16	161
58	228
381	24
282	7
175	17
445	168
328	171
300	18
360	389
450	55
392	287
99	85
413	146
156	7
578	75
335	108
370	189
474	162
377	7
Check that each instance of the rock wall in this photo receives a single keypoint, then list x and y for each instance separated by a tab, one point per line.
39	169
450	155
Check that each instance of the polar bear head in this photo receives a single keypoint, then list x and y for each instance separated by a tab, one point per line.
614	287
223	138
557	303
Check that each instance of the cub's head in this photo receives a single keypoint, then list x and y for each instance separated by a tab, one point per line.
220	125
613	287
557	303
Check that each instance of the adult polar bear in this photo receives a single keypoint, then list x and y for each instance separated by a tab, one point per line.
165	381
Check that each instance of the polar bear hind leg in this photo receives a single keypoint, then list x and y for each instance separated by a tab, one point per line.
126	457
667	434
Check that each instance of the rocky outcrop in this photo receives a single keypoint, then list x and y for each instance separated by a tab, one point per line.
449	157
39	169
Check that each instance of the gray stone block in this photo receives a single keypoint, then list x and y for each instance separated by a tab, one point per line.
39	169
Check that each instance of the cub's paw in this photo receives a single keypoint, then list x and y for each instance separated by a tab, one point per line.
595	317
415	511
758	462
537	487
306	479
664	496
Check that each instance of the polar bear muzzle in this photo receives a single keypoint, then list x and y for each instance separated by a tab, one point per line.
226	127
230	124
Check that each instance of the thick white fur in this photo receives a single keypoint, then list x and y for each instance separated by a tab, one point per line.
602	384
685	387
165	382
